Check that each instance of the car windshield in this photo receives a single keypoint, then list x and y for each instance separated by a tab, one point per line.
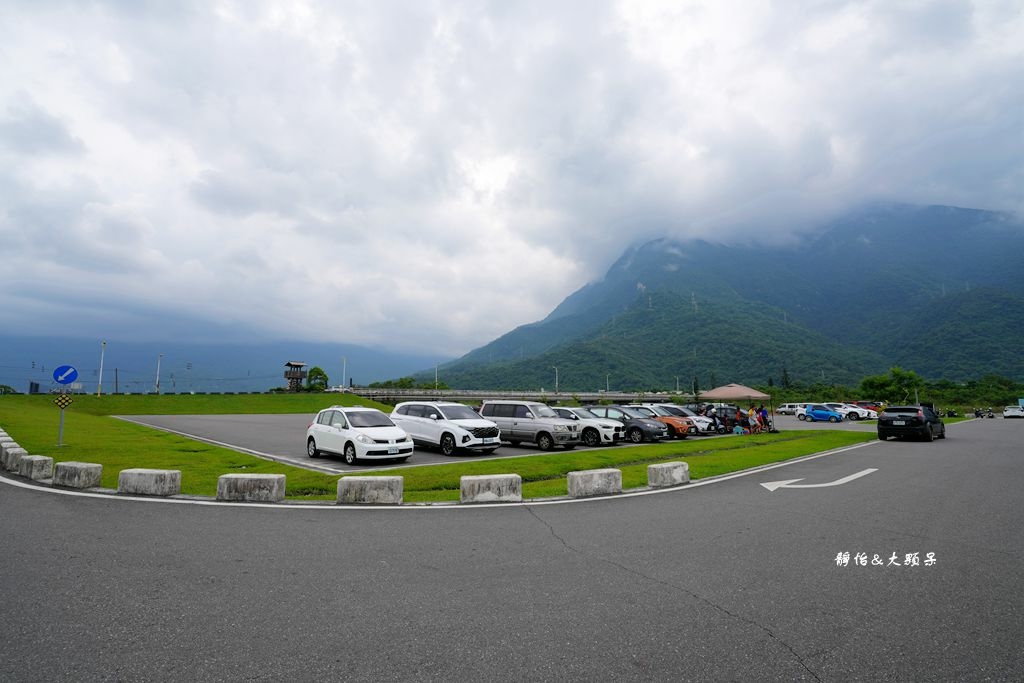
585	414
633	413
543	411
459	413
658	410
369	418
902	410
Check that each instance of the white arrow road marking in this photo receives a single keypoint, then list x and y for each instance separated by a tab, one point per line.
68	372
791	483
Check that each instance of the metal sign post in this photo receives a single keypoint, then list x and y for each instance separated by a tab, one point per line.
63	375
62	402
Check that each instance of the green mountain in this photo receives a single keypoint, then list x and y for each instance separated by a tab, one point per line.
932	289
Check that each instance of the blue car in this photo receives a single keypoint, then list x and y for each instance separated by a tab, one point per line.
817	412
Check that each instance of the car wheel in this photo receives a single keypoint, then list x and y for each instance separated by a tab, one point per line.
350	454
853	416
311	449
882	437
447	444
635	435
722	430
809	418
545	442
591	437
833	418
801	417
928	435
942	434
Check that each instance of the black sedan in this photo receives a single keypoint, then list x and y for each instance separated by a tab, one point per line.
639	427
917	421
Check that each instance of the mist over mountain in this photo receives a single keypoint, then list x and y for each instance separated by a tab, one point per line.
934	289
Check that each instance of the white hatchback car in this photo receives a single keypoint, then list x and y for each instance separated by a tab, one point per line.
447	426
1013	411
356	433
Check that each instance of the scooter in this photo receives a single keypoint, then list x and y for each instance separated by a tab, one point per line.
951	413
989	413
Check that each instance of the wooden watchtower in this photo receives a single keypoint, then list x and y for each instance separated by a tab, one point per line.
295	373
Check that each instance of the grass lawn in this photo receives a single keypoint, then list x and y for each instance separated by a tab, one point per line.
91	436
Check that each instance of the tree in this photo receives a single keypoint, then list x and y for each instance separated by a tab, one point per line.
316	380
899	385
786	382
5	389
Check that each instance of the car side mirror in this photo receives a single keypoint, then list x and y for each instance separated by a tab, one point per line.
433	416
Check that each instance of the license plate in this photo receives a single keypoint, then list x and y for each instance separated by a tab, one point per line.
393	451
899	422
488	439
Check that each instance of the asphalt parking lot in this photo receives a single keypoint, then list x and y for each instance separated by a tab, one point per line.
283	438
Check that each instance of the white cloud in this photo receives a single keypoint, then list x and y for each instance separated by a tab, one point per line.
428	176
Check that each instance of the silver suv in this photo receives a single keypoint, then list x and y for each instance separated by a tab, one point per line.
531	421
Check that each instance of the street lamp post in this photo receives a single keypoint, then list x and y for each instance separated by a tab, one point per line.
556	378
99	385
158	359
435	376
344	370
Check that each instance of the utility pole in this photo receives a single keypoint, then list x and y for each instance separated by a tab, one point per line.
344	370
116	390
435	376
556	379
99	385
158	359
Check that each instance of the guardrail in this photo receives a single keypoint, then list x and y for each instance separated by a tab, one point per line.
476	396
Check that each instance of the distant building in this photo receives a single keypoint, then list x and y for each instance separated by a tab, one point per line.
295	373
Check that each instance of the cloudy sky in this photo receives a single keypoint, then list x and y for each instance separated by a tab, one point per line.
426	175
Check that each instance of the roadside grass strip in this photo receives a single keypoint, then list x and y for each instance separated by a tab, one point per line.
119	445
196	404
545	475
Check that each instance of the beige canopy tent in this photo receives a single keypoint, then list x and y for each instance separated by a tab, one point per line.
734	392
739	392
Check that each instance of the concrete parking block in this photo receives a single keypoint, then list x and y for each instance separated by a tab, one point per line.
588	483
149	482
491	488
36	467
77	475
12	455
664	474
251	488
371	490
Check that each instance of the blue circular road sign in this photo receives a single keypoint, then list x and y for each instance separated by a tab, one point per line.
65	374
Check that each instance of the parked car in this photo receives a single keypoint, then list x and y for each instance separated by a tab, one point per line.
704	425
852	412
638	427
788	408
1013	411
919	421
448	426
871	405
816	412
357	433
594	431
531	421
679	426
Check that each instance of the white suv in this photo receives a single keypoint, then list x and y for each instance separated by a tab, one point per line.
355	433
594	431
447	426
